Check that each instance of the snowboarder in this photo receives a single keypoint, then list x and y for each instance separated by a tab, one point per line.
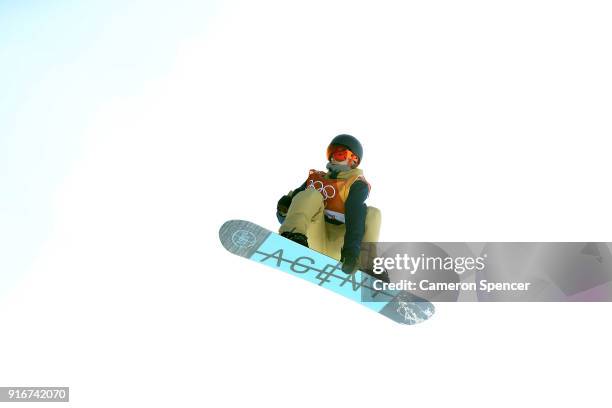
328	212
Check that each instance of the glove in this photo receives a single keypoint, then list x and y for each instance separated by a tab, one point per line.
283	205
350	260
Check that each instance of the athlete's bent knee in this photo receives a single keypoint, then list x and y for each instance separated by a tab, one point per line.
310	194
373	215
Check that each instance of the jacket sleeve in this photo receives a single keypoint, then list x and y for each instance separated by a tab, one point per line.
355	214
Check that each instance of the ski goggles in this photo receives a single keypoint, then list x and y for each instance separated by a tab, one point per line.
341	153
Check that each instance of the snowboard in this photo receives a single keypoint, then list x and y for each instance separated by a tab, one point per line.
249	240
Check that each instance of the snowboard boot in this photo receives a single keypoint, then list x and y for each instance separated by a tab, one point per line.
296	237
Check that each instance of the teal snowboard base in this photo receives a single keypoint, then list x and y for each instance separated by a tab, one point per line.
251	241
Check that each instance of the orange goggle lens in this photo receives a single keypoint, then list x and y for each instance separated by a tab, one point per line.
341	153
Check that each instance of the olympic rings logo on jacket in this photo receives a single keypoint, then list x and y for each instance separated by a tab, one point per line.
328	191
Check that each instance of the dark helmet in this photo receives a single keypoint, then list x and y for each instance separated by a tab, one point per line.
350	142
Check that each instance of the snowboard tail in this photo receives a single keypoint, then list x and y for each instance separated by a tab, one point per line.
251	241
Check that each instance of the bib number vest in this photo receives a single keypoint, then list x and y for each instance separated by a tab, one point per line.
334	192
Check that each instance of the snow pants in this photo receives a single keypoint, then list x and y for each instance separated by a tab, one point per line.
306	216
